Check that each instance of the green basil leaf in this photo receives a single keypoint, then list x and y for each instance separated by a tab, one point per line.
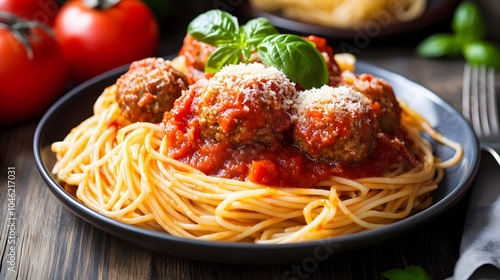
441	44
254	32
222	56
409	273
481	52
468	21
295	57
214	27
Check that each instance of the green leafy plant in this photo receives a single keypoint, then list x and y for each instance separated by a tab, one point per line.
467	39
293	55
408	273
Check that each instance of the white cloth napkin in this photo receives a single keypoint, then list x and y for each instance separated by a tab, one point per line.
480	245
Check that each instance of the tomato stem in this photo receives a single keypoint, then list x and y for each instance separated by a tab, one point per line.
7	19
100	4
21	28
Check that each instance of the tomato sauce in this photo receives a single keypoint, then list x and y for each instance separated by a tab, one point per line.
278	164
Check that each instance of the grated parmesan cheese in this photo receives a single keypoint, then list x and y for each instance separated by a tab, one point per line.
341	100
256	82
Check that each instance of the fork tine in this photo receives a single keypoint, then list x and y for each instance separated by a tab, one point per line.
492	101
473	89
479	101
466	92
479	105
482	98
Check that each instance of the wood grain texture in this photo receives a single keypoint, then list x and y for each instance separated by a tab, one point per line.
53	243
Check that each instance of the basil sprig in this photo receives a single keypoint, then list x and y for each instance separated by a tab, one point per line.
215	27
467	39
296	57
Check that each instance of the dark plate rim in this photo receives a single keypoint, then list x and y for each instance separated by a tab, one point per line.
146	238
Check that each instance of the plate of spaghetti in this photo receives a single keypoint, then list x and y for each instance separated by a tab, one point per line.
249	161
350	19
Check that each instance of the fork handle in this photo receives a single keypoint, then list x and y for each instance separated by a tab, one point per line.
494	151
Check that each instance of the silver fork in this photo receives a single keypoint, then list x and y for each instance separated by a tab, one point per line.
479	105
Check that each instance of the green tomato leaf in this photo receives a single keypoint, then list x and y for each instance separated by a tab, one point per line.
468	21
441	44
254	32
295	57
408	273
222	56
214	27
481	52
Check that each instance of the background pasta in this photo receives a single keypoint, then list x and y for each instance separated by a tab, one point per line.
344	13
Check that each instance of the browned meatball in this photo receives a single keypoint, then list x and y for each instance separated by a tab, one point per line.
246	103
148	89
335	123
378	91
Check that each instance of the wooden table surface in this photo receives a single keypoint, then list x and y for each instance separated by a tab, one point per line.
53	243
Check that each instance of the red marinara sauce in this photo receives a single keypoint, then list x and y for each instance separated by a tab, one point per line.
277	164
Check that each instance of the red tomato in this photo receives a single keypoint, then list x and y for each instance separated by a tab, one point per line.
43	11
95	40
31	77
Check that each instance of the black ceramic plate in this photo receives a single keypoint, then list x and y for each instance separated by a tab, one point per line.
435	11
76	106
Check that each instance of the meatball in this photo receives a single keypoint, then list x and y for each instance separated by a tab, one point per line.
335	123
245	104
378	91
196	54
148	89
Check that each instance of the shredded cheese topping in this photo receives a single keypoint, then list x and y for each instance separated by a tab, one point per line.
341	100
254	81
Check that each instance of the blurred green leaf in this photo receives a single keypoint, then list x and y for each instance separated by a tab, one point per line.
481	52
408	273
468	21
441	44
